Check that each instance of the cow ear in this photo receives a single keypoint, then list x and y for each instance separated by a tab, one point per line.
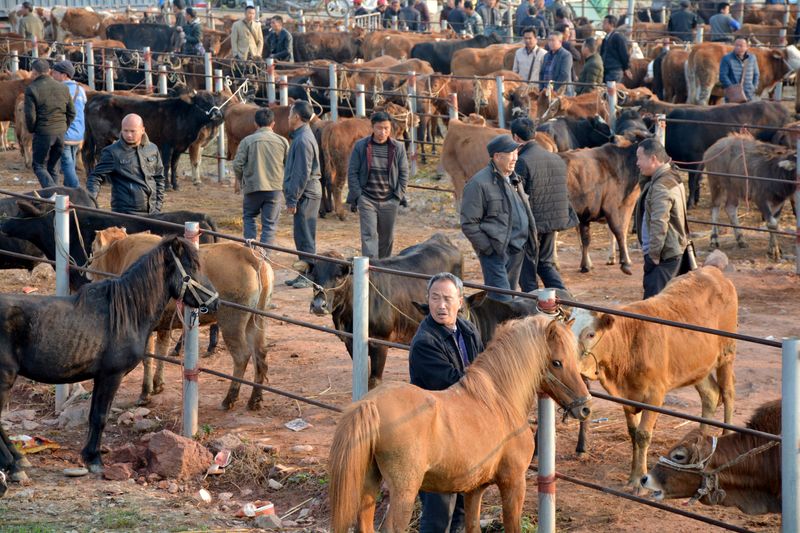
604	321
29	209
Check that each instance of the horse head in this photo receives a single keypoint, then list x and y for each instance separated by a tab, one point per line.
562	378
187	283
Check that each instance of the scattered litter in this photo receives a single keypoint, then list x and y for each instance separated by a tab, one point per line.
275	485
204	496
28	290
769	338
684	423
298	424
598	420
75	472
256	508
222	460
302	448
26	444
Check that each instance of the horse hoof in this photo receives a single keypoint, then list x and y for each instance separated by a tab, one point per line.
210	353
342	216
713	245
95	468
611	261
254	406
158	388
227	404
20	477
585	270
742	244
24	463
143	400
626	268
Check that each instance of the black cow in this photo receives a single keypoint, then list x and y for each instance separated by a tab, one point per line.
36	224
172	123
439	53
396	321
686	142
159	37
336	46
19	246
77	196
573	133
632	126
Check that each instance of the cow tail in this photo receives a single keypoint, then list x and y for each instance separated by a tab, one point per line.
212	225
352	455
690	88
88	149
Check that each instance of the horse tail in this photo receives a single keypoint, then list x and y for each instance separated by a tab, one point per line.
717	259
350	458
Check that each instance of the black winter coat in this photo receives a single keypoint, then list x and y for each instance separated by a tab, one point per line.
434	361
49	109
681	23
614	52
544	179
279	46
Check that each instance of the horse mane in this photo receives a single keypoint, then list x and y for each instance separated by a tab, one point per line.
509	371
133	297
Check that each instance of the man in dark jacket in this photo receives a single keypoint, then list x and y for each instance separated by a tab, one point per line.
424	15
682	22
301	186
48	113
133	167
456	17
496	218
360	10
279	41
557	65
390	13
376	182
409	17
614	52
592	72
442	349
544	179
192	34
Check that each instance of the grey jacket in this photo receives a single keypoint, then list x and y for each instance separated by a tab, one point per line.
260	160
136	186
544	179
557	67
302	174
358	171
662	206
486	212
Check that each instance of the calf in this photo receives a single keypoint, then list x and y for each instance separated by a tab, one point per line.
752	485
573	133
740	154
393	316
440	54
643	361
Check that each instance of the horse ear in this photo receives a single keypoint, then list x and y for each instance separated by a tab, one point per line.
569	322
29	209
423	308
605	321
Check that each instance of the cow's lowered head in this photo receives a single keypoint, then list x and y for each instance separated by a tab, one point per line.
207	102
328	277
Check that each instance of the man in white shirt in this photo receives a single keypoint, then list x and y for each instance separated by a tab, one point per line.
528	59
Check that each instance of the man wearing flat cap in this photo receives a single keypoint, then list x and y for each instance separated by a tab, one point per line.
64	71
496	218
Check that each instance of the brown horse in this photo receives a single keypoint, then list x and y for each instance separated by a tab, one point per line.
462	439
239	276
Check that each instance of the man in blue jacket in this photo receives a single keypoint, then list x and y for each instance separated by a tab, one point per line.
739	67
64	71
301	186
376	182
442	349
557	65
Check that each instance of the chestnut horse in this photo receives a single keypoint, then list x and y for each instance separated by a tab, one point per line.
462	439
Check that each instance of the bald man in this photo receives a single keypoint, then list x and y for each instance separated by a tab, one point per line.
132	165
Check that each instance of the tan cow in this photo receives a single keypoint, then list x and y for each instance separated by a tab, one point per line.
673	75
753	485
238	274
482	61
82	22
396	43
24	137
771	14
480	95
761	33
702	68
643	361
10	90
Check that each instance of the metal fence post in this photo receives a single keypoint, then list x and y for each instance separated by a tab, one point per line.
191	334
301	27
611	87
698	35
14	61
209	17
162	79
34	48
790	432
361	105
412	104
782	32
453	108
219	82
270	80
546	480
88	55
109	76
360	326
62	273
394	22
501	111
208	71
333	94
630	14
284	92
148	70
661	129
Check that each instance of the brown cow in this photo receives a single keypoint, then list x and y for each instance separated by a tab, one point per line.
768	14
741	154
673	76
582	106
603	184
482	61
9	91
761	33
77	22
643	361
702	68
242	277
480	96
24	137
753	485
397	44
240	122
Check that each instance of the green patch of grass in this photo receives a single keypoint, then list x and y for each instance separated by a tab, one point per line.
528	526
121	519
28	527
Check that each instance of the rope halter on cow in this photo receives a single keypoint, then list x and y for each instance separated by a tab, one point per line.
589	351
709	482
187	283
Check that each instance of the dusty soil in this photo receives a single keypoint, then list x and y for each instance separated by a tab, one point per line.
316	365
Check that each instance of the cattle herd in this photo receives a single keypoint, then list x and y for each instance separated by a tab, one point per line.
457	110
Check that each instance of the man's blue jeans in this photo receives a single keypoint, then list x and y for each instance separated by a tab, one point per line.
68	158
501	271
268	204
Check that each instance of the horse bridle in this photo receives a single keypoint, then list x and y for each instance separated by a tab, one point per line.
554	382
709	481
188	283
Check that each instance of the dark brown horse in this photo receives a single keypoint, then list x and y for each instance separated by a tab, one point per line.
99	333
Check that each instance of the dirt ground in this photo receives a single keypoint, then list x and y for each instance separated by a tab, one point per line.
316	365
